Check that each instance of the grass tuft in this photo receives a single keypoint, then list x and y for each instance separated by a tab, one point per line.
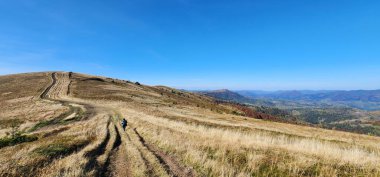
60	147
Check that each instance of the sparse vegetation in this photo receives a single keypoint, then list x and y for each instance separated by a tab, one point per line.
61	119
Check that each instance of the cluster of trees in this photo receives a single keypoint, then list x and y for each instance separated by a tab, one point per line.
357	128
325	115
284	114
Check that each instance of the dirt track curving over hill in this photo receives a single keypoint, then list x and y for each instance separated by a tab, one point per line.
109	158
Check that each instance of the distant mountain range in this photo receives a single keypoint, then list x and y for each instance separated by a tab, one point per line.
343	110
228	95
361	99
353	95
225	94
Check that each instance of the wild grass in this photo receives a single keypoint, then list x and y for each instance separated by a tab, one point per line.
222	144
67	138
60	147
136	164
195	131
15	136
61	119
222	152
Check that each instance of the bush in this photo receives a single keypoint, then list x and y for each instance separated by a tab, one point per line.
237	113
41	124
54	149
16	139
61	147
15	136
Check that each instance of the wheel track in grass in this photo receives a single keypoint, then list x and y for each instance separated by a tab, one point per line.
110	156
97	157
117	164
169	163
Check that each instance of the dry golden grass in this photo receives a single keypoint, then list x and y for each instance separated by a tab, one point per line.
218	148
20	99
173	133
64	147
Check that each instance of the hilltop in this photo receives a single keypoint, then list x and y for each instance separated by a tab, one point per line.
68	124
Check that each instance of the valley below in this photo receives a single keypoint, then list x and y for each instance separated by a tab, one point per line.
338	110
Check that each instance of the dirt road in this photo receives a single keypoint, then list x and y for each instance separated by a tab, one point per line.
120	153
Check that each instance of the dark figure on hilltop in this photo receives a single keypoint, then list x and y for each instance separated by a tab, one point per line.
124	123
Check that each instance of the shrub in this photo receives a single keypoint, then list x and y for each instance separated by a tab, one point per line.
235	112
61	147
15	136
16	139
54	149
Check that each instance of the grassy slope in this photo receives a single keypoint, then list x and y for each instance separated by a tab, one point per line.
58	140
191	130
20	101
205	136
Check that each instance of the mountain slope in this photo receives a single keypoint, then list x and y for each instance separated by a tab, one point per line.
71	123
227	95
361	99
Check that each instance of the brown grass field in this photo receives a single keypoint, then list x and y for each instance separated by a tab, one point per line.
69	125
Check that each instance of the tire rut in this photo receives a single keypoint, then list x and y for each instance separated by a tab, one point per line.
148	165
100	158
52	92
171	166
111	147
44	94
109	157
116	164
92	155
90	110
135	163
69	86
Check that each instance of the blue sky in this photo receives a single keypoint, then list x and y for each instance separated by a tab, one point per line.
198	44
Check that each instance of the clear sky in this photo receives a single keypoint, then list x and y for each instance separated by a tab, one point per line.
198	44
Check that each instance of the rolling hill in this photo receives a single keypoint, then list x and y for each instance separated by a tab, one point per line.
68	124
